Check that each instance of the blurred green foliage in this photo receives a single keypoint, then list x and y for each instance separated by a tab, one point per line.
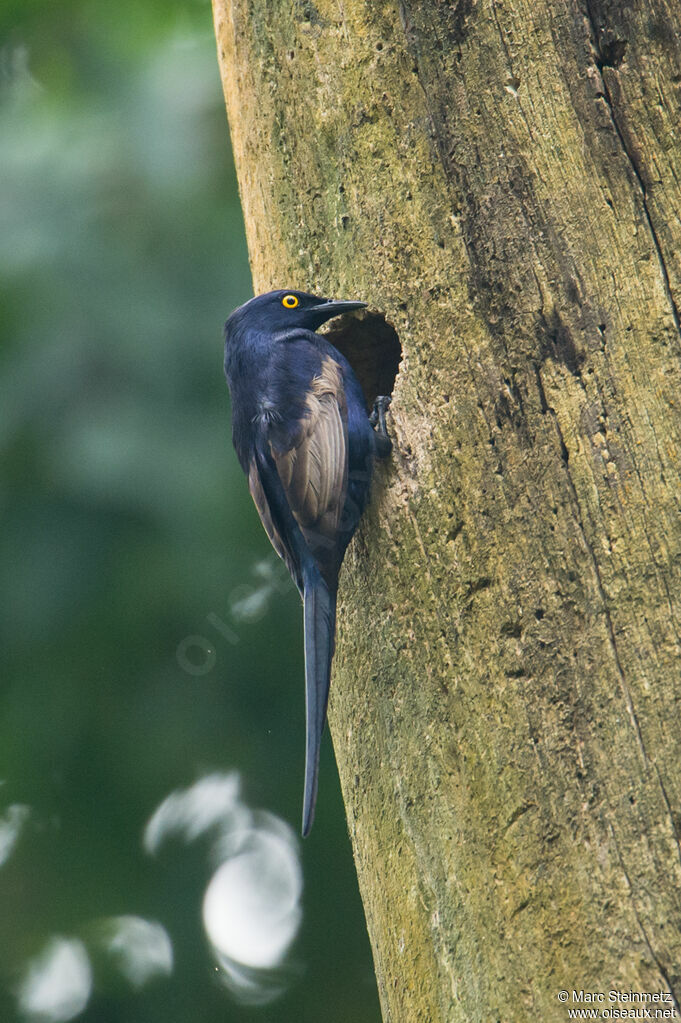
126	522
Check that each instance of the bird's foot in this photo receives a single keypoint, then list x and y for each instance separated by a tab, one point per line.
377	420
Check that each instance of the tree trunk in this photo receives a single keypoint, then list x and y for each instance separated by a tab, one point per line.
500	179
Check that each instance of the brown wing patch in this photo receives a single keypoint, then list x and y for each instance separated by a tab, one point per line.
314	472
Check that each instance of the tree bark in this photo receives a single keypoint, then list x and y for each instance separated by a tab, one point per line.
500	179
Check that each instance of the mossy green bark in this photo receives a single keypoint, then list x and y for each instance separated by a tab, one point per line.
500	178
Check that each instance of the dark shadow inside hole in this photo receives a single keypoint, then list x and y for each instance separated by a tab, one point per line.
373	349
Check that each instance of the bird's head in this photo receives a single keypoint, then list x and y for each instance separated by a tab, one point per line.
279	310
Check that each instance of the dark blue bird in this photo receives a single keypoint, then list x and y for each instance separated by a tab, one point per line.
304	439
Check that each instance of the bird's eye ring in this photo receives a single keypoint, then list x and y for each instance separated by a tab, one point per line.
290	301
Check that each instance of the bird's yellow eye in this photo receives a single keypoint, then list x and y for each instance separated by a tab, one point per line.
290	301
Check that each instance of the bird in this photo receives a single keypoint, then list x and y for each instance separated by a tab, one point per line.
307	445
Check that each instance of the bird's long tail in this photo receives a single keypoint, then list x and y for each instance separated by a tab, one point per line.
320	626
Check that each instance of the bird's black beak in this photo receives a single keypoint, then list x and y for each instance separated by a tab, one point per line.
329	309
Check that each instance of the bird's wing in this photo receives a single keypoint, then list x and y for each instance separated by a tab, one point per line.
314	468
298	480
261	503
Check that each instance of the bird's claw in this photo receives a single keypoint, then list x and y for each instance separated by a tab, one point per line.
381	405
377	420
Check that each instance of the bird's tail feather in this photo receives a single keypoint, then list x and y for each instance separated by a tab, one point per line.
320	625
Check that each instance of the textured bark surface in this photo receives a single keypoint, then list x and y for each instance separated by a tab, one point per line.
500	179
